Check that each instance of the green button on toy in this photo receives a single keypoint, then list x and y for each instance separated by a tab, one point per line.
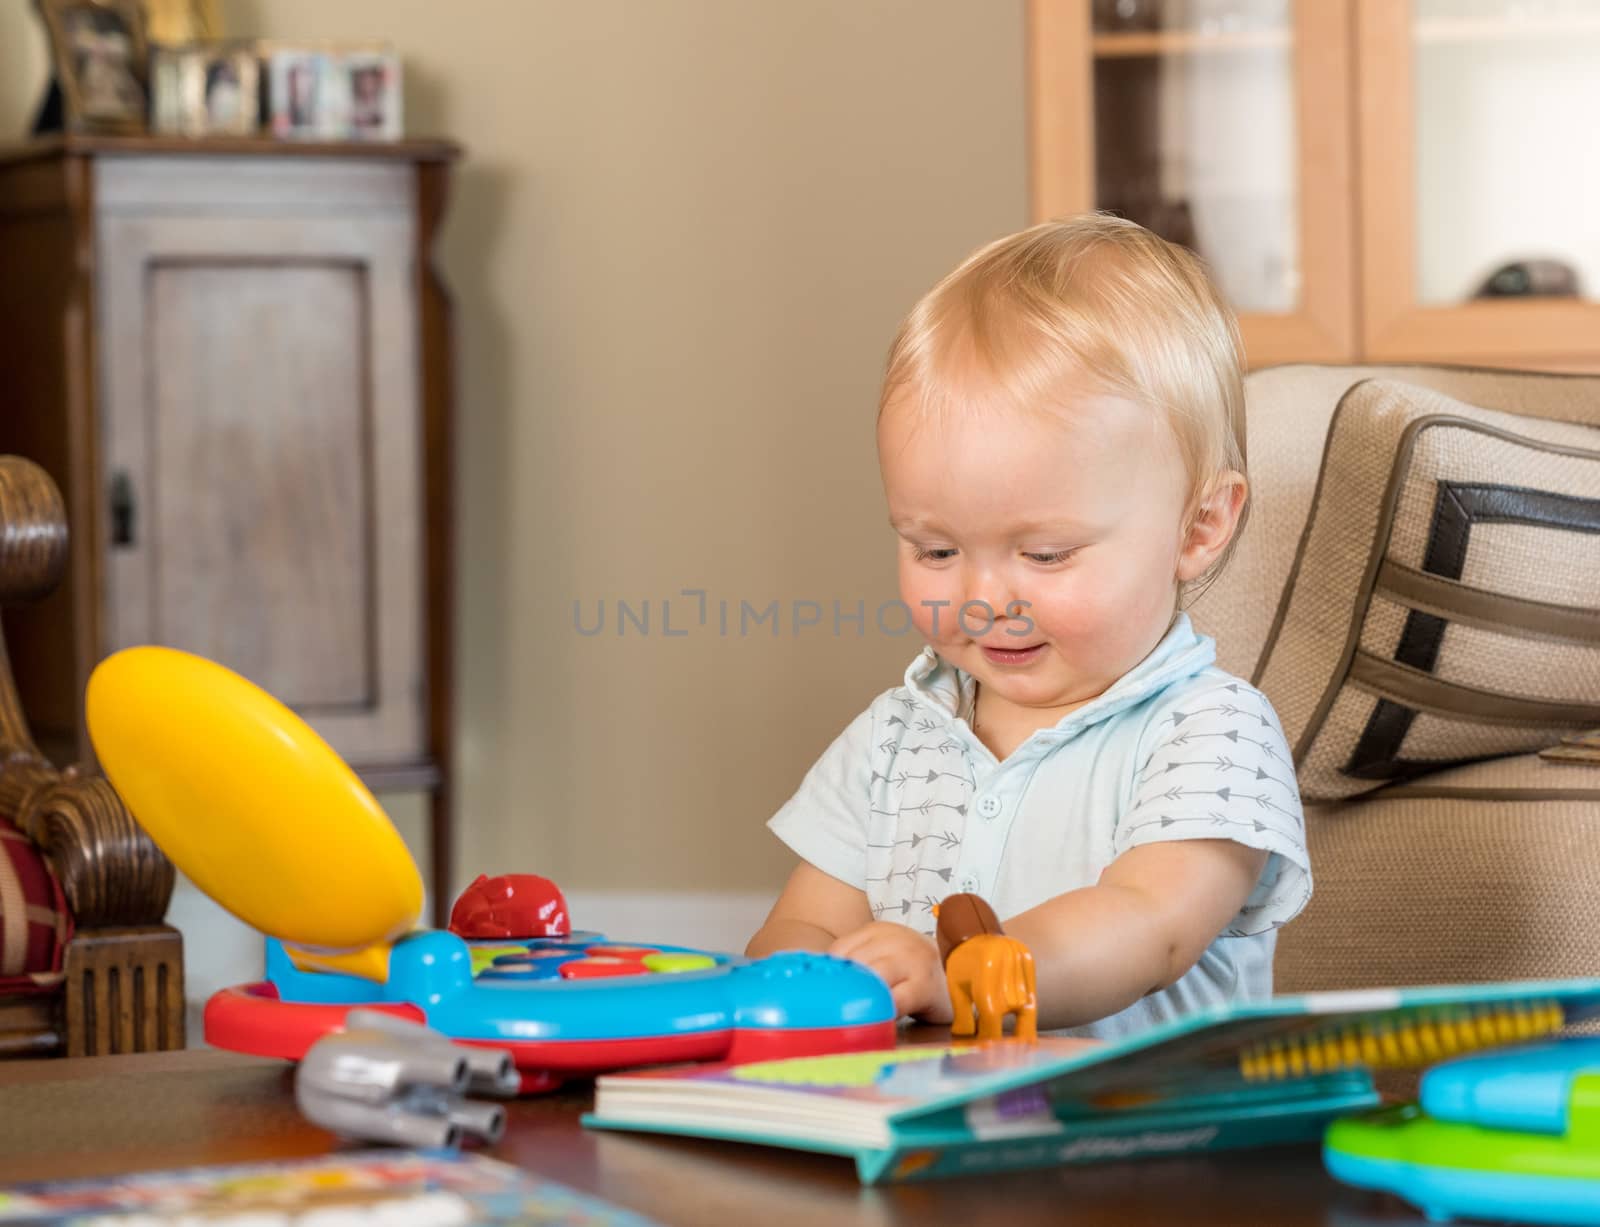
484	956
678	962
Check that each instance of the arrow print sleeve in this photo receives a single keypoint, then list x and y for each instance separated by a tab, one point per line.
1215	765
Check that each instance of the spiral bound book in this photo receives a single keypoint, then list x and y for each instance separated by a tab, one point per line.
1269	1072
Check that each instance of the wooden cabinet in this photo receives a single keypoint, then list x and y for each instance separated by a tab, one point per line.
234	360
1479	155
1370	180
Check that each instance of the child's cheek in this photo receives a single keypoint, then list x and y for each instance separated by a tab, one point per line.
1074	611
1109	621
933	601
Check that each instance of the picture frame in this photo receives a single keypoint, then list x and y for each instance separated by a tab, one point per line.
371	89
166	91
333	91
222	90
99	52
206	89
297	92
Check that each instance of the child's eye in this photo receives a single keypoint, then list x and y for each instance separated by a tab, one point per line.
1051	557
935	555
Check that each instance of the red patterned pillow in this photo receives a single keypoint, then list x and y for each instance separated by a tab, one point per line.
34	923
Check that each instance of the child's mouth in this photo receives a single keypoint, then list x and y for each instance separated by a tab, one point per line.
1012	656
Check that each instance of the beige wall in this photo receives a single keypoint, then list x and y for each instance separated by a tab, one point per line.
682	237
24	57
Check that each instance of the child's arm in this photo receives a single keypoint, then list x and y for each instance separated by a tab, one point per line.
1153	913
819	912
1097	950
1162	900
812	913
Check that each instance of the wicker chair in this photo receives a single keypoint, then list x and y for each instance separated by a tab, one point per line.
120	984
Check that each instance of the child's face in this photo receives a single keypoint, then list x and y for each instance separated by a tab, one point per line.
1077	515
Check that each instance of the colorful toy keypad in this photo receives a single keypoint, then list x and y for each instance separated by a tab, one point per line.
484	956
678	962
582	959
600	968
535	964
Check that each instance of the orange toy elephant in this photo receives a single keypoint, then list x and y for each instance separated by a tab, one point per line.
990	975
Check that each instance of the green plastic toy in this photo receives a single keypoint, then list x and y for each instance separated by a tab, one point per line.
1510	1135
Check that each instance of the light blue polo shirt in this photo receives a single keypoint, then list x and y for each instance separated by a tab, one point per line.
909	806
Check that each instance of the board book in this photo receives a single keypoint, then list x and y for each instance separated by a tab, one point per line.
1243	1075
374	1187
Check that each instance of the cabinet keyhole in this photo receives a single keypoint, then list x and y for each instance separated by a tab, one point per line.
121	509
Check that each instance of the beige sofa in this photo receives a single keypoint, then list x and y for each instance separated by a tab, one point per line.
1418	592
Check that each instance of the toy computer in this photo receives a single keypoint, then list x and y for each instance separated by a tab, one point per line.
248	801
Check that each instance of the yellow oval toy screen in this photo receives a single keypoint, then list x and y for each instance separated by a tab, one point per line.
244	797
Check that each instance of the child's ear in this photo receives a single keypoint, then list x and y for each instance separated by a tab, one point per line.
1211	525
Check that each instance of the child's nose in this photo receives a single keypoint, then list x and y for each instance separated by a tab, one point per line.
986	601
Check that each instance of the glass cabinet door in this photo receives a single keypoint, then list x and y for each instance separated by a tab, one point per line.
1480	180
1219	124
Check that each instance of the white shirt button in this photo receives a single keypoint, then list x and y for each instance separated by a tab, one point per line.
969	884
989	807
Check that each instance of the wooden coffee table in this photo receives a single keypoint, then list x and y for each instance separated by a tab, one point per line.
105	1115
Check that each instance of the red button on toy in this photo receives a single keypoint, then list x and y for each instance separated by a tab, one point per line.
594	969
631	953
510	905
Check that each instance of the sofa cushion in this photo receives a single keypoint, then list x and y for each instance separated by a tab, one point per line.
1484	872
35	925
1444	602
1290	410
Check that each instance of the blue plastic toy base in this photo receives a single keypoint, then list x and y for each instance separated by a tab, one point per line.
432	971
1444	1193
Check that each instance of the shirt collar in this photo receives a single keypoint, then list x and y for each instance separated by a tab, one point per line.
950	692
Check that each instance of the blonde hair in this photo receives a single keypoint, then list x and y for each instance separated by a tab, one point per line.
1095	298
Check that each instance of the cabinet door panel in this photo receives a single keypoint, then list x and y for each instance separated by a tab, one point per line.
1222	126
263	430
259	381
1479	157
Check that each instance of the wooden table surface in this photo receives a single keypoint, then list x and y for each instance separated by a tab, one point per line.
106	1115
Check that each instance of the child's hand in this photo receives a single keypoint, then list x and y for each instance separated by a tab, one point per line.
908	962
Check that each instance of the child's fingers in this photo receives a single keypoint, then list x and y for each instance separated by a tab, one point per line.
883	960
874	935
907	998
908	965
867	945
846	946
922	996
936	1008
914	991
